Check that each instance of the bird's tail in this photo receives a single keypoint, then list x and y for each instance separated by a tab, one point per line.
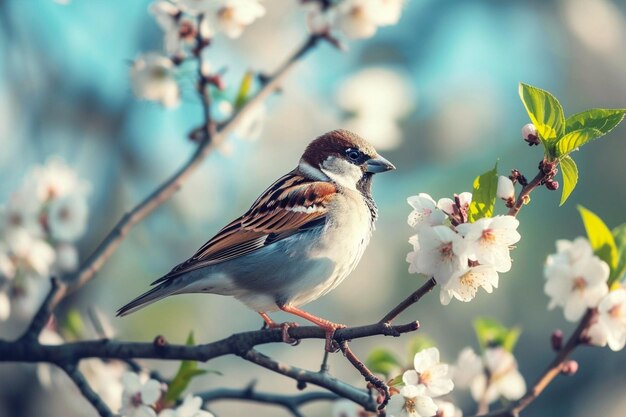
161	291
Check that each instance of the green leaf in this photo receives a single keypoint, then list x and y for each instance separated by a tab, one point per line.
570	177
600	237
603	120
382	361
417	344
73	324
484	195
186	372
575	139
545	112
490	332
244	90
619	235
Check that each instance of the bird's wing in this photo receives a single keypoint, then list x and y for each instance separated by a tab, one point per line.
290	205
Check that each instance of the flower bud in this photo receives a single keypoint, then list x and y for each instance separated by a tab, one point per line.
569	368
506	190
530	135
556	339
552	185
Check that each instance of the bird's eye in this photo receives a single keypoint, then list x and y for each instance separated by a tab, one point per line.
353	154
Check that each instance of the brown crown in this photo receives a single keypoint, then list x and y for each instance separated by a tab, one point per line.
335	143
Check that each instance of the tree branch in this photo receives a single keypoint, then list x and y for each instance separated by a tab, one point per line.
522	198
321	379
89	394
290	402
376	382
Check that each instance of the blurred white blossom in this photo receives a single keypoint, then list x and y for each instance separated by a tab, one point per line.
504	378
190	407
430	373
412	401
447	409
227	16
138	396
5	306
361	18
576	279
152	78
67	218
377	98
66	259
610	324
468	367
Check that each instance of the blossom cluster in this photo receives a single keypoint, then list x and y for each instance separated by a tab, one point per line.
429	379
39	225
491	377
577	280
460	255
356	19
142	396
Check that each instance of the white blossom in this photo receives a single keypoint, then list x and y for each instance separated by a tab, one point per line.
361	18
437	256
487	240
506	189
191	407
228	16
21	212
319	20
504	378
176	31
430	373
105	378
465	282
447	409
425	211
152	77
67	218
448	205
138	396
610	325
53	180
33	254
412	401
7	266
576	279
66	258
529	131
5	306
468	367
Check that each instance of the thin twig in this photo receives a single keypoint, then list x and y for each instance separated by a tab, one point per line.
249	393
522	198
369	376
90	395
324	380
409	301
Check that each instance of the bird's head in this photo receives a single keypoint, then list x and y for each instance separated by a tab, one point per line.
344	157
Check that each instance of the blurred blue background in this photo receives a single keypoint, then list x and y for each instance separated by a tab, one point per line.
64	90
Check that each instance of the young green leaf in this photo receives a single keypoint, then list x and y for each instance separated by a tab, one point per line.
186	372
382	361
484	195
544	111
600	237
619	235
574	140
603	120
73	324
244	90
570	177
490	332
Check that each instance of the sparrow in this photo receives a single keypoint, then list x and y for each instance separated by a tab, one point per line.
299	240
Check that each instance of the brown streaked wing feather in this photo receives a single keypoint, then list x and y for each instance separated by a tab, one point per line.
270	219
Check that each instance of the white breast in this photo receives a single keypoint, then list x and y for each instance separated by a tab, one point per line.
347	233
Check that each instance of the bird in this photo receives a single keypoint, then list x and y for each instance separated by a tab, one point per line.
299	240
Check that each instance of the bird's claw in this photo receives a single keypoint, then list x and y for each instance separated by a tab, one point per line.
284	327
332	345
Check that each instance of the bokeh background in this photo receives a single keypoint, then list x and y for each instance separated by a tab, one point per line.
64	90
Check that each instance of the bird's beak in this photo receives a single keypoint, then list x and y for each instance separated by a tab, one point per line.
378	164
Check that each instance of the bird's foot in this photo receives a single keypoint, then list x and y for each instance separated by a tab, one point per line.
284	327
331	344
